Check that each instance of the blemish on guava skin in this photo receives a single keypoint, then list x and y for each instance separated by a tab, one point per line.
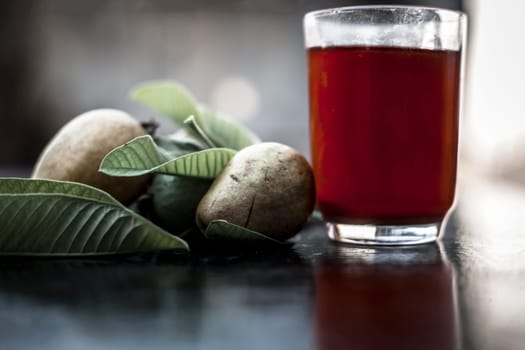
250	211
234	178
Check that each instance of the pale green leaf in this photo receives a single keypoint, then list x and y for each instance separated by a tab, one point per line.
175	102
193	125
141	156
168	98
225	131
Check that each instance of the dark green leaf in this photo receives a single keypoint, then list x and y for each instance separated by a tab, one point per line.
224	231
36	219
178	146
175	199
32	186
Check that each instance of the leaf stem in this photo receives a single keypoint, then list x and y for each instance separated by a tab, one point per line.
192	123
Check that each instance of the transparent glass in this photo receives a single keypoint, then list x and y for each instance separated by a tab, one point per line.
385	98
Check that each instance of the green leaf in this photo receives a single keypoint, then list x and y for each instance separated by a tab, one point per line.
178	146
175	200
31	186
225	131
175	102
168	98
141	156
224	231
49	223
193	126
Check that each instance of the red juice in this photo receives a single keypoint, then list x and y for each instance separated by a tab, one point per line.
384	133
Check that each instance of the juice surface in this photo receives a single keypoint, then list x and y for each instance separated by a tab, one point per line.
384	132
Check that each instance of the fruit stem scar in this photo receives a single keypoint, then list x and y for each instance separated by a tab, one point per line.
150	126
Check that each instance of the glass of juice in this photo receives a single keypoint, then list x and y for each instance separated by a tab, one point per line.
384	93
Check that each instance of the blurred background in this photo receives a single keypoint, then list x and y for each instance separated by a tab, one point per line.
60	58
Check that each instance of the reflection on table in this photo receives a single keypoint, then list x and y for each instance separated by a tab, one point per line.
385	298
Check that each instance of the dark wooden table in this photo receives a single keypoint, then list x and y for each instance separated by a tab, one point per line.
467	292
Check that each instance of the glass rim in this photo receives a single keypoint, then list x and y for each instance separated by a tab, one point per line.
346	9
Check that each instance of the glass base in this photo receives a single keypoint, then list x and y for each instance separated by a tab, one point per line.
384	234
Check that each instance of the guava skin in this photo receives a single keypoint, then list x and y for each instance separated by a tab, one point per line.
267	187
75	152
